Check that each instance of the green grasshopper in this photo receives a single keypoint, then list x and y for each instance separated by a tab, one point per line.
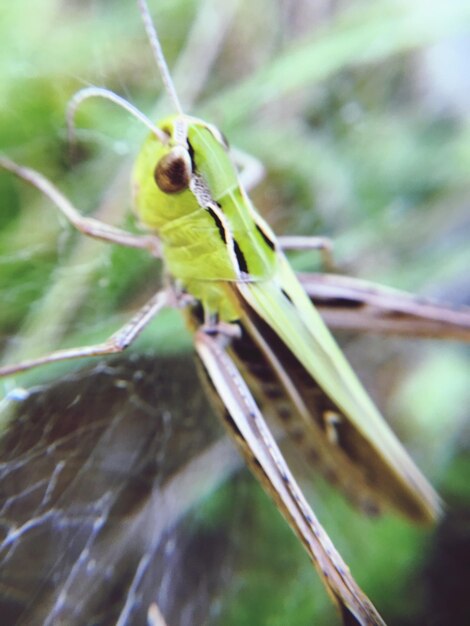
259	339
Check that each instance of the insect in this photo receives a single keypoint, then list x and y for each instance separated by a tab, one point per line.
249	313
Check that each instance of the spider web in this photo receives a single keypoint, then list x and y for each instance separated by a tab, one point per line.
97	474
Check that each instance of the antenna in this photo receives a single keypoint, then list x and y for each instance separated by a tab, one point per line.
158	55
100	92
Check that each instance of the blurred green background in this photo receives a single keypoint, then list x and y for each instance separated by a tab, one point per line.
360	112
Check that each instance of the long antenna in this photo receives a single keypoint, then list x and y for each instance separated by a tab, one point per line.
100	92
158	55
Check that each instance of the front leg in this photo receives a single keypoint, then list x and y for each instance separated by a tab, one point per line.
86	225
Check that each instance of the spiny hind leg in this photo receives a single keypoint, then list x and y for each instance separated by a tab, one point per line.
247	427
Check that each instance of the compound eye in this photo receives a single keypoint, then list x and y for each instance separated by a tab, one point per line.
173	172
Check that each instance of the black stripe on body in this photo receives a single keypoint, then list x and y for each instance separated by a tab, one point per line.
191	156
218	223
286	295
242	264
267	240
217	214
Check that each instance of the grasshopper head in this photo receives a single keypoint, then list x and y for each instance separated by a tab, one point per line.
187	172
